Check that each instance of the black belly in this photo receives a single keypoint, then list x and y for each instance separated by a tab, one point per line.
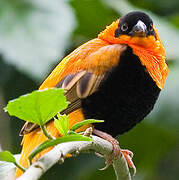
124	98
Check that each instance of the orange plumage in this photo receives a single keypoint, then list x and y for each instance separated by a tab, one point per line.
99	56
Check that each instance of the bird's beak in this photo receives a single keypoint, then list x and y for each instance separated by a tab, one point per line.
139	29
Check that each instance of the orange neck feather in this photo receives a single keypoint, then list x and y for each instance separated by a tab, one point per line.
149	49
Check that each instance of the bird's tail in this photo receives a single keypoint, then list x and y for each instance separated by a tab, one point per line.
36	137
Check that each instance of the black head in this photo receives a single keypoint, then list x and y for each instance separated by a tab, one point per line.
135	24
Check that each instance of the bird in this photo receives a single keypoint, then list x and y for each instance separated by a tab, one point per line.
116	77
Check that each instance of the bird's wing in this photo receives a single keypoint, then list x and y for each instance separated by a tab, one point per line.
81	77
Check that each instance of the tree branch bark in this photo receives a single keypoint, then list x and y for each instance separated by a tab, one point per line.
58	153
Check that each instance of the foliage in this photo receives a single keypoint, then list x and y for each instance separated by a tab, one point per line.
7	169
53	142
87	121
39	107
7	156
62	124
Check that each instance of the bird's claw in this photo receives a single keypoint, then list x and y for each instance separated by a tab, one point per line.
117	151
105	167
114	155
128	155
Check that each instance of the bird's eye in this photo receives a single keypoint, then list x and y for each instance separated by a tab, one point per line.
151	27
124	27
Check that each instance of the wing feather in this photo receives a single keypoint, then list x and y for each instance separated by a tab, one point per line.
81	80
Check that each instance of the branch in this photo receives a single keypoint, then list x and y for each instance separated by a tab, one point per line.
58	153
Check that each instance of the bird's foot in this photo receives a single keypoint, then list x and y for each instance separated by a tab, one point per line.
128	155
117	151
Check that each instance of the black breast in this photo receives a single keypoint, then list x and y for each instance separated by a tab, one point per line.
124	98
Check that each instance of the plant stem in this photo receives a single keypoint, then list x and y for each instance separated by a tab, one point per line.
19	166
46	132
99	145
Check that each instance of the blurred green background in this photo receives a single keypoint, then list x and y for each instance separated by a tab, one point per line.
36	34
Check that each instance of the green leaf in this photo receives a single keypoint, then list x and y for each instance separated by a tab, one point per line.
54	142
73	133
87	121
62	124
39	106
8	169
7	156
